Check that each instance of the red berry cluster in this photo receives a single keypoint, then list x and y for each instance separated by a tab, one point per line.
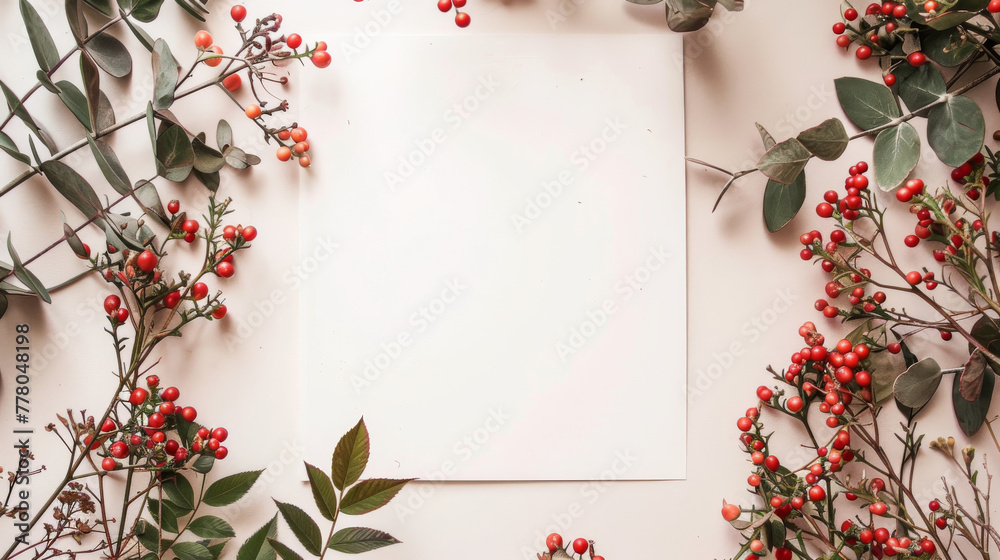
972	175
159	433
462	19
879	32
554	543
837	381
294	143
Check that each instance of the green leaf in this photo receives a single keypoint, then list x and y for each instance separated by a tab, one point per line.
895	154
283	551
165	71
193	8
257	547
203	464
784	161
77	20
76	102
105	113
92	88
866	103
73	240
955	130
227	490
645	2
210	180
215	549
238	159
41	40
950	48
689	15
111	55
191	551
110	166
141	35
765	137
971	385
985	332
3	304
163	514
211	527
178	489
102	6
922	86
46	82
355	540
322	491
8	146
782	202
174	154
149	537
15	106
147	197
147	10
949	19
303	527
371	494
915	387
826	141
224	135
971	415
26	276
350	457
73	186
206	159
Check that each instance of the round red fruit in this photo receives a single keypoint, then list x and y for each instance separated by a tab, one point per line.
109	464
173	207
199	290
225	269
555	541
138	396
321	59
249	233
462	19
232	82
238	13
146	261
580	546
294	41
190	226
816	493
794	404
203	39
112	303
188	413
221	453
219	312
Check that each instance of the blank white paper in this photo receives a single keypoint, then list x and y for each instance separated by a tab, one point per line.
493	257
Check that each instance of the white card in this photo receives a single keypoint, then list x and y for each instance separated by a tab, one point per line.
505	298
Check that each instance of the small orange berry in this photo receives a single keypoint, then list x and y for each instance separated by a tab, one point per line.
253	110
284	153
301	147
304	161
299	134
203	39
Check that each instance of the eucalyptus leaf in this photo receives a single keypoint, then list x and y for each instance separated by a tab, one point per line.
782	202
73	240
192	9
141	35
77	20
896	153
110	54
92	89
238	159
915	387
46	82
39	36
922	86
110	165
8	146
867	104
210	180
950	48
206	159
986	333
165	74
174	154
76	102
689	15
644	2
26	277
955	130
102	6
146	10
73	187
827	141
971	415
224	135
971	384
149	199
765	137
105	113
784	161
15	106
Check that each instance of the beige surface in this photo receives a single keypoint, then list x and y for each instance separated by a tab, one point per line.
774	63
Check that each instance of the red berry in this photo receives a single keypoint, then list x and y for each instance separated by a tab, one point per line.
294	41
864	52
744	424
173	207
889	79
172	299
203	39
249	233
321	59
299	135
190	226
459	3
794	404
109	425
109	464
772	463
843	41
138	396
219	312
824	210
934	505
220	434
850	14
580	546
904	194
221	453
555	541
119	449
225	269
764	394
462	19
816	493
238	13
444	5
146	261
112	303
156	420
916	58
199	290
878	508
913	277
189	413
232	82
229	232
839	28
993	6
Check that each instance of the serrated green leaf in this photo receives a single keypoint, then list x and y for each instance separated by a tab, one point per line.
895	154
211	527
867	104
784	161
350	457
39	36
256	547
149	536
915	387
955	130
302	526
971	415
216	549
191	551
76	102
371	494
163	514
165	74
922	86
111	55
322	491
174	154
27	277
355	540
827	141
178	489
229	489
8	146
689	15
283	551
782	202
203	464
